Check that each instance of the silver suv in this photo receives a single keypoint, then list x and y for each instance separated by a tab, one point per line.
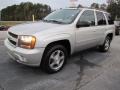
49	42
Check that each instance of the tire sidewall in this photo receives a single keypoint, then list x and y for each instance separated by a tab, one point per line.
107	38
118	32
47	55
102	47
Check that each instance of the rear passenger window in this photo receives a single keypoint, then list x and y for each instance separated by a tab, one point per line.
100	18
88	16
110	20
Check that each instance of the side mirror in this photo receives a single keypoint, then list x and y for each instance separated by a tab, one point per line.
83	24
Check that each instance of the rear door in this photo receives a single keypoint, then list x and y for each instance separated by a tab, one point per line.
110	22
101	26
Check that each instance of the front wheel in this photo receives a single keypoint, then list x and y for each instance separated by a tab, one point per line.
54	59
105	47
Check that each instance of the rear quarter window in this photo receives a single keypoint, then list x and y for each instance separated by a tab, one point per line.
109	18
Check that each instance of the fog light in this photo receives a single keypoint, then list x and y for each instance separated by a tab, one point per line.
21	58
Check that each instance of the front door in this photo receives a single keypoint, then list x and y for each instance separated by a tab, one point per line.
86	31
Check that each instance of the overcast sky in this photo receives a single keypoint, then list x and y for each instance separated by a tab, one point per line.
55	4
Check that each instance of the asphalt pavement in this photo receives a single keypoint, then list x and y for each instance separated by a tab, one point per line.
86	70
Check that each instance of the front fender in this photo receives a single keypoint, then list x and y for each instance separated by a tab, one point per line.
42	43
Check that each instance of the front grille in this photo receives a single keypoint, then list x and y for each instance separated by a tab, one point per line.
12	38
11	41
13	35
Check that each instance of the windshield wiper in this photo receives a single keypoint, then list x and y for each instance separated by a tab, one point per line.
54	21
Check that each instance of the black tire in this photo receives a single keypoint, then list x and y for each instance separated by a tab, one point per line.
104	47
45	64
118	32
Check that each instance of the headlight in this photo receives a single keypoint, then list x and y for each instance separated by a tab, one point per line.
27	42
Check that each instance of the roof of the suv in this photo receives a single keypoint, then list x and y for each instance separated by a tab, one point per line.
88	9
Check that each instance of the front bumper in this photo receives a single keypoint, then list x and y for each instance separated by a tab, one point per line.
25	56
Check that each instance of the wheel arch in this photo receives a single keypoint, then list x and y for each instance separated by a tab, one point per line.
110	35
64	42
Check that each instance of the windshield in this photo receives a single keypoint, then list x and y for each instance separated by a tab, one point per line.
65	16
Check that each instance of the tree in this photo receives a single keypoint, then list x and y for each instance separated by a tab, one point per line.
103	6
95	6
79	6
118	9
24	12
114	8
109	1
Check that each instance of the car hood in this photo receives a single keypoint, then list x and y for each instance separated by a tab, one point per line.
32	28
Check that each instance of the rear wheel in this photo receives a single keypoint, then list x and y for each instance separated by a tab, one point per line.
118	32
105	47
54	59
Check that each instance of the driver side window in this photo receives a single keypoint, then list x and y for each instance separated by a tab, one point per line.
87	18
